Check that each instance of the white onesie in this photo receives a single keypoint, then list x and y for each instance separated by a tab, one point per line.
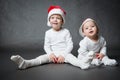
89	47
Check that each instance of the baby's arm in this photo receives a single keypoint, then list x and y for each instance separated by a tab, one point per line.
47	47
69	43
48	50
83	51
102	51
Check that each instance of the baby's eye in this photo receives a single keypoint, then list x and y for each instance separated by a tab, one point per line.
52	17
58	18
86	28
93	26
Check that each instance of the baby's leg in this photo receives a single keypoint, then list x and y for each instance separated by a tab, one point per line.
76	62
23	64
88	58
109	62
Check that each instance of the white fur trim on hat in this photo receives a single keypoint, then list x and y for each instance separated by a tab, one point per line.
55	11
85	21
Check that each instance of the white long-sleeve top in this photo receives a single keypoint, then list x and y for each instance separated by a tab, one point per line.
58	41
87	45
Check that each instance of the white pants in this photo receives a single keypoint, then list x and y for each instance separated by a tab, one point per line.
69	58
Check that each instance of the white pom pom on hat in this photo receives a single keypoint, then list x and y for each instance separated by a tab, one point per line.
55	10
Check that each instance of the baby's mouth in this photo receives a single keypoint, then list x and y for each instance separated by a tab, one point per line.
91	32
55	23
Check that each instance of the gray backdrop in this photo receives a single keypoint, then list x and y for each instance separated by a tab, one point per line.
24	22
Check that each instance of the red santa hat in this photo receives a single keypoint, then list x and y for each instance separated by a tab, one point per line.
55	10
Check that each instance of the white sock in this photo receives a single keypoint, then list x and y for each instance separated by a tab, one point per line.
96	62
109	62
18	60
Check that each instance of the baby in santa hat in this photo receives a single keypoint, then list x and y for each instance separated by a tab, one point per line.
93	46
58	43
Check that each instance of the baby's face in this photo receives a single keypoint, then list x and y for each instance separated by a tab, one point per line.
56	21
90	29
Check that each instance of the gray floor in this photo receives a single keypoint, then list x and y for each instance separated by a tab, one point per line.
9	70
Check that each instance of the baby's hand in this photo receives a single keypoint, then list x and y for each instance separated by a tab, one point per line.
53	58
99	56
60	59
